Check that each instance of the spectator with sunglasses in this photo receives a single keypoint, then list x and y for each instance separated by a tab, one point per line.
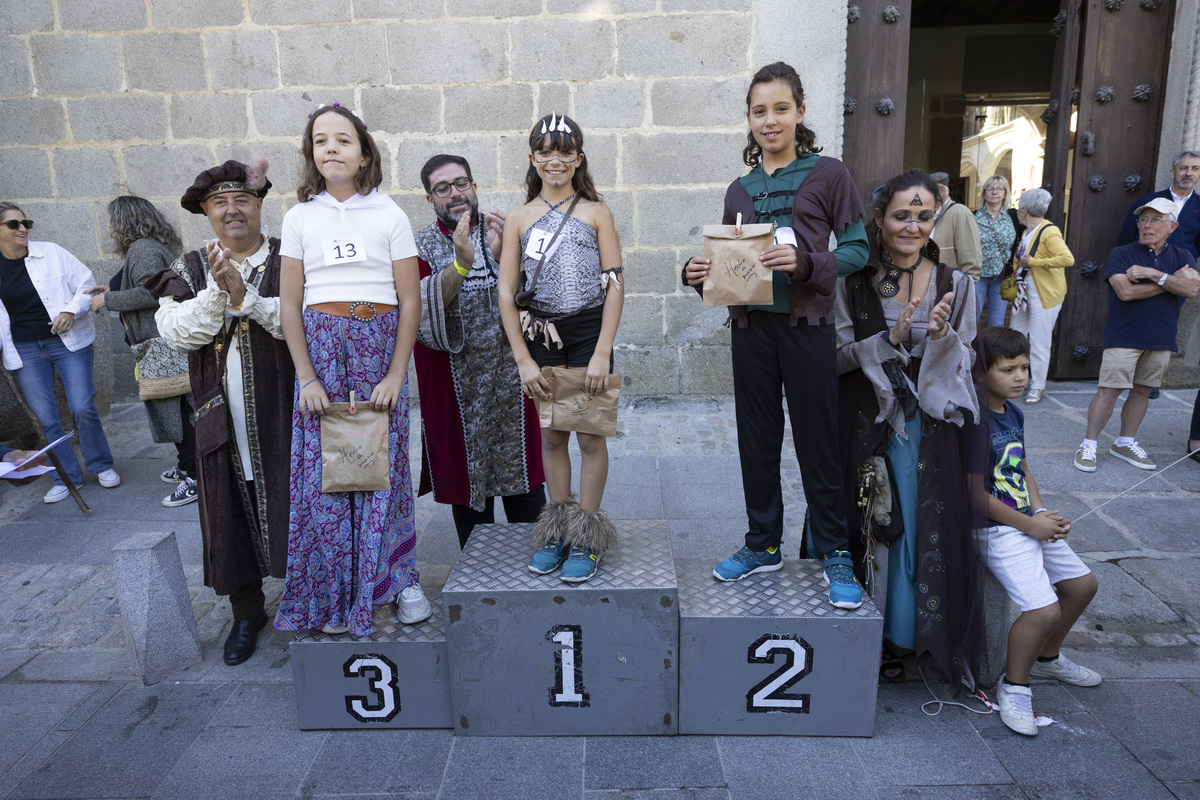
45	326
481	434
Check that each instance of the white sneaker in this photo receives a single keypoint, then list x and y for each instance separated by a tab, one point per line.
109	478
58	491
334	629
1016	707
1065	670
413	605
1033	397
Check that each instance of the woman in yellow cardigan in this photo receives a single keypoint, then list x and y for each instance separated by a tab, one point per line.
1044	253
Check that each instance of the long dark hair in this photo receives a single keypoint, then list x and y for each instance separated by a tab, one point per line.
133	218
913	179
561	141
312	182
806	140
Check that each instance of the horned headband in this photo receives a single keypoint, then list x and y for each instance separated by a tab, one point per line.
560	126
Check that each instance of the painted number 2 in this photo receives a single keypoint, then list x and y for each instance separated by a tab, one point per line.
771	694
383	682
568	667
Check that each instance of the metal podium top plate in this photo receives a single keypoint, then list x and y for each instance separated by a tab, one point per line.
497	559
388	629
796	590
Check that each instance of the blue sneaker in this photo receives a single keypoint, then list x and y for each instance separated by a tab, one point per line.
580	565
844	591
549	558
747	562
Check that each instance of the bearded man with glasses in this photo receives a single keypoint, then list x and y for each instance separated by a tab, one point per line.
481	438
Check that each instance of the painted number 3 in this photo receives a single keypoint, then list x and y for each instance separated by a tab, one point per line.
568	667
382	681
771	694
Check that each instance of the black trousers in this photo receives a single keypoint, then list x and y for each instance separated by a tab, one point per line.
517	508
769	357
247	601
187	448
1195	432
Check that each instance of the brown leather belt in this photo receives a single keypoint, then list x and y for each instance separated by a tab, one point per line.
360	309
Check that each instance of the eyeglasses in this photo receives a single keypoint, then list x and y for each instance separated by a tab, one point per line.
443	189
994	189
13	224
546	156
1152	220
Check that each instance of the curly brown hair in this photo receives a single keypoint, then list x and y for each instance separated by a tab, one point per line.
312	182
132	218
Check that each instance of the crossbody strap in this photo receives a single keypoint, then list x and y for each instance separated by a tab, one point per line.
550	245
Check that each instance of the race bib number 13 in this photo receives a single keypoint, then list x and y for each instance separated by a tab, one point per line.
347	250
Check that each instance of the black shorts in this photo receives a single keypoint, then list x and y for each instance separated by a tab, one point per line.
579	335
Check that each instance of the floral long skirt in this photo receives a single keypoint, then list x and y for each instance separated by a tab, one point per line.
347	551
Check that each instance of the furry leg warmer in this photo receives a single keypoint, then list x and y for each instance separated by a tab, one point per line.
551	523
588	529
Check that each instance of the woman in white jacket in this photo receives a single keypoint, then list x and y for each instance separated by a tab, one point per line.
44	326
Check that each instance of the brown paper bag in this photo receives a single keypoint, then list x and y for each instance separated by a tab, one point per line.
735	275
354	449
573	409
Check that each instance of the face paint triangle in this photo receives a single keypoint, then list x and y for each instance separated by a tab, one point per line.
916	201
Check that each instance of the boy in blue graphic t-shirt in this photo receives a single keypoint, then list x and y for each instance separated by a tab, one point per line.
1025	544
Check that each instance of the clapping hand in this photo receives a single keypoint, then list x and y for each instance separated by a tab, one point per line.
226	274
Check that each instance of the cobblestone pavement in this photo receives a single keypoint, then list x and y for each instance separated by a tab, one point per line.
76	723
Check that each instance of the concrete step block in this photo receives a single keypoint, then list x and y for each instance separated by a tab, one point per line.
769	655
533	656
395	678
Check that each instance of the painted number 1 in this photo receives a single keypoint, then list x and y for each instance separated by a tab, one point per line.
383	681
351	252
771	694
568	667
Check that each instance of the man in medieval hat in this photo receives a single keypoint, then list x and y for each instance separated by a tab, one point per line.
220	304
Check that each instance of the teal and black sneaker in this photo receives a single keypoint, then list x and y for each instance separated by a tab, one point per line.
747	562
844	591
580	565
549	558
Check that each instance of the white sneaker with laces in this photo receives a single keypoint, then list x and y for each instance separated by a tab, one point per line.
1033	397
109	478
1016	707
1067	671
58	491
413	605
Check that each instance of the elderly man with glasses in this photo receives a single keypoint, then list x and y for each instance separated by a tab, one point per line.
481	436
1148	282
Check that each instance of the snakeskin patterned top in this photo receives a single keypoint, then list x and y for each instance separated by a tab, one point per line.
570	279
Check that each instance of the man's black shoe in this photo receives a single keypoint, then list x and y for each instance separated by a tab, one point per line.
243	639
1154	393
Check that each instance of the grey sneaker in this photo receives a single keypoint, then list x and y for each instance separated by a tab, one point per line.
1085	458
1065	670
1033	397
1134	454
1016	707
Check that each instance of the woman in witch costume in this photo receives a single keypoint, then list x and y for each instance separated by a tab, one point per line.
905	327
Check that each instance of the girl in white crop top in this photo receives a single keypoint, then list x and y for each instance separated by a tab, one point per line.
349	308
572	323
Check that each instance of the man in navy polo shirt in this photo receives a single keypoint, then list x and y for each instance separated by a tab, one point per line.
1147	284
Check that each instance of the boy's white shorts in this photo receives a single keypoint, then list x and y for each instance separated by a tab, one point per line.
1027	567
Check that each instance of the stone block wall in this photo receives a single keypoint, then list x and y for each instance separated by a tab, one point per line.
137	96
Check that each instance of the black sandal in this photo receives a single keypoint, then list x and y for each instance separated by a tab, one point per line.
891	666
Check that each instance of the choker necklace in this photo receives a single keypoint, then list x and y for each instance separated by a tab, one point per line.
890	285
554	206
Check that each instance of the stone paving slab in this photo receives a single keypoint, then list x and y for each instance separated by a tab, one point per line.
217	731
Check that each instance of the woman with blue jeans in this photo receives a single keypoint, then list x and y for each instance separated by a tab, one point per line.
998	236
45	325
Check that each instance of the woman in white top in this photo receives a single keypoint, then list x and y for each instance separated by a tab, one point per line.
44	327
349	307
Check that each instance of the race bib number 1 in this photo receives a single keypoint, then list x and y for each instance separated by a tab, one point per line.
347	250
538	243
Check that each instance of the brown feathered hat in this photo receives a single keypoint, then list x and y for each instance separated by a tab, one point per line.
232	176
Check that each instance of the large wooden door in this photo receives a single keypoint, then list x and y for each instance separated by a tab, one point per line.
1124	49
876	90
